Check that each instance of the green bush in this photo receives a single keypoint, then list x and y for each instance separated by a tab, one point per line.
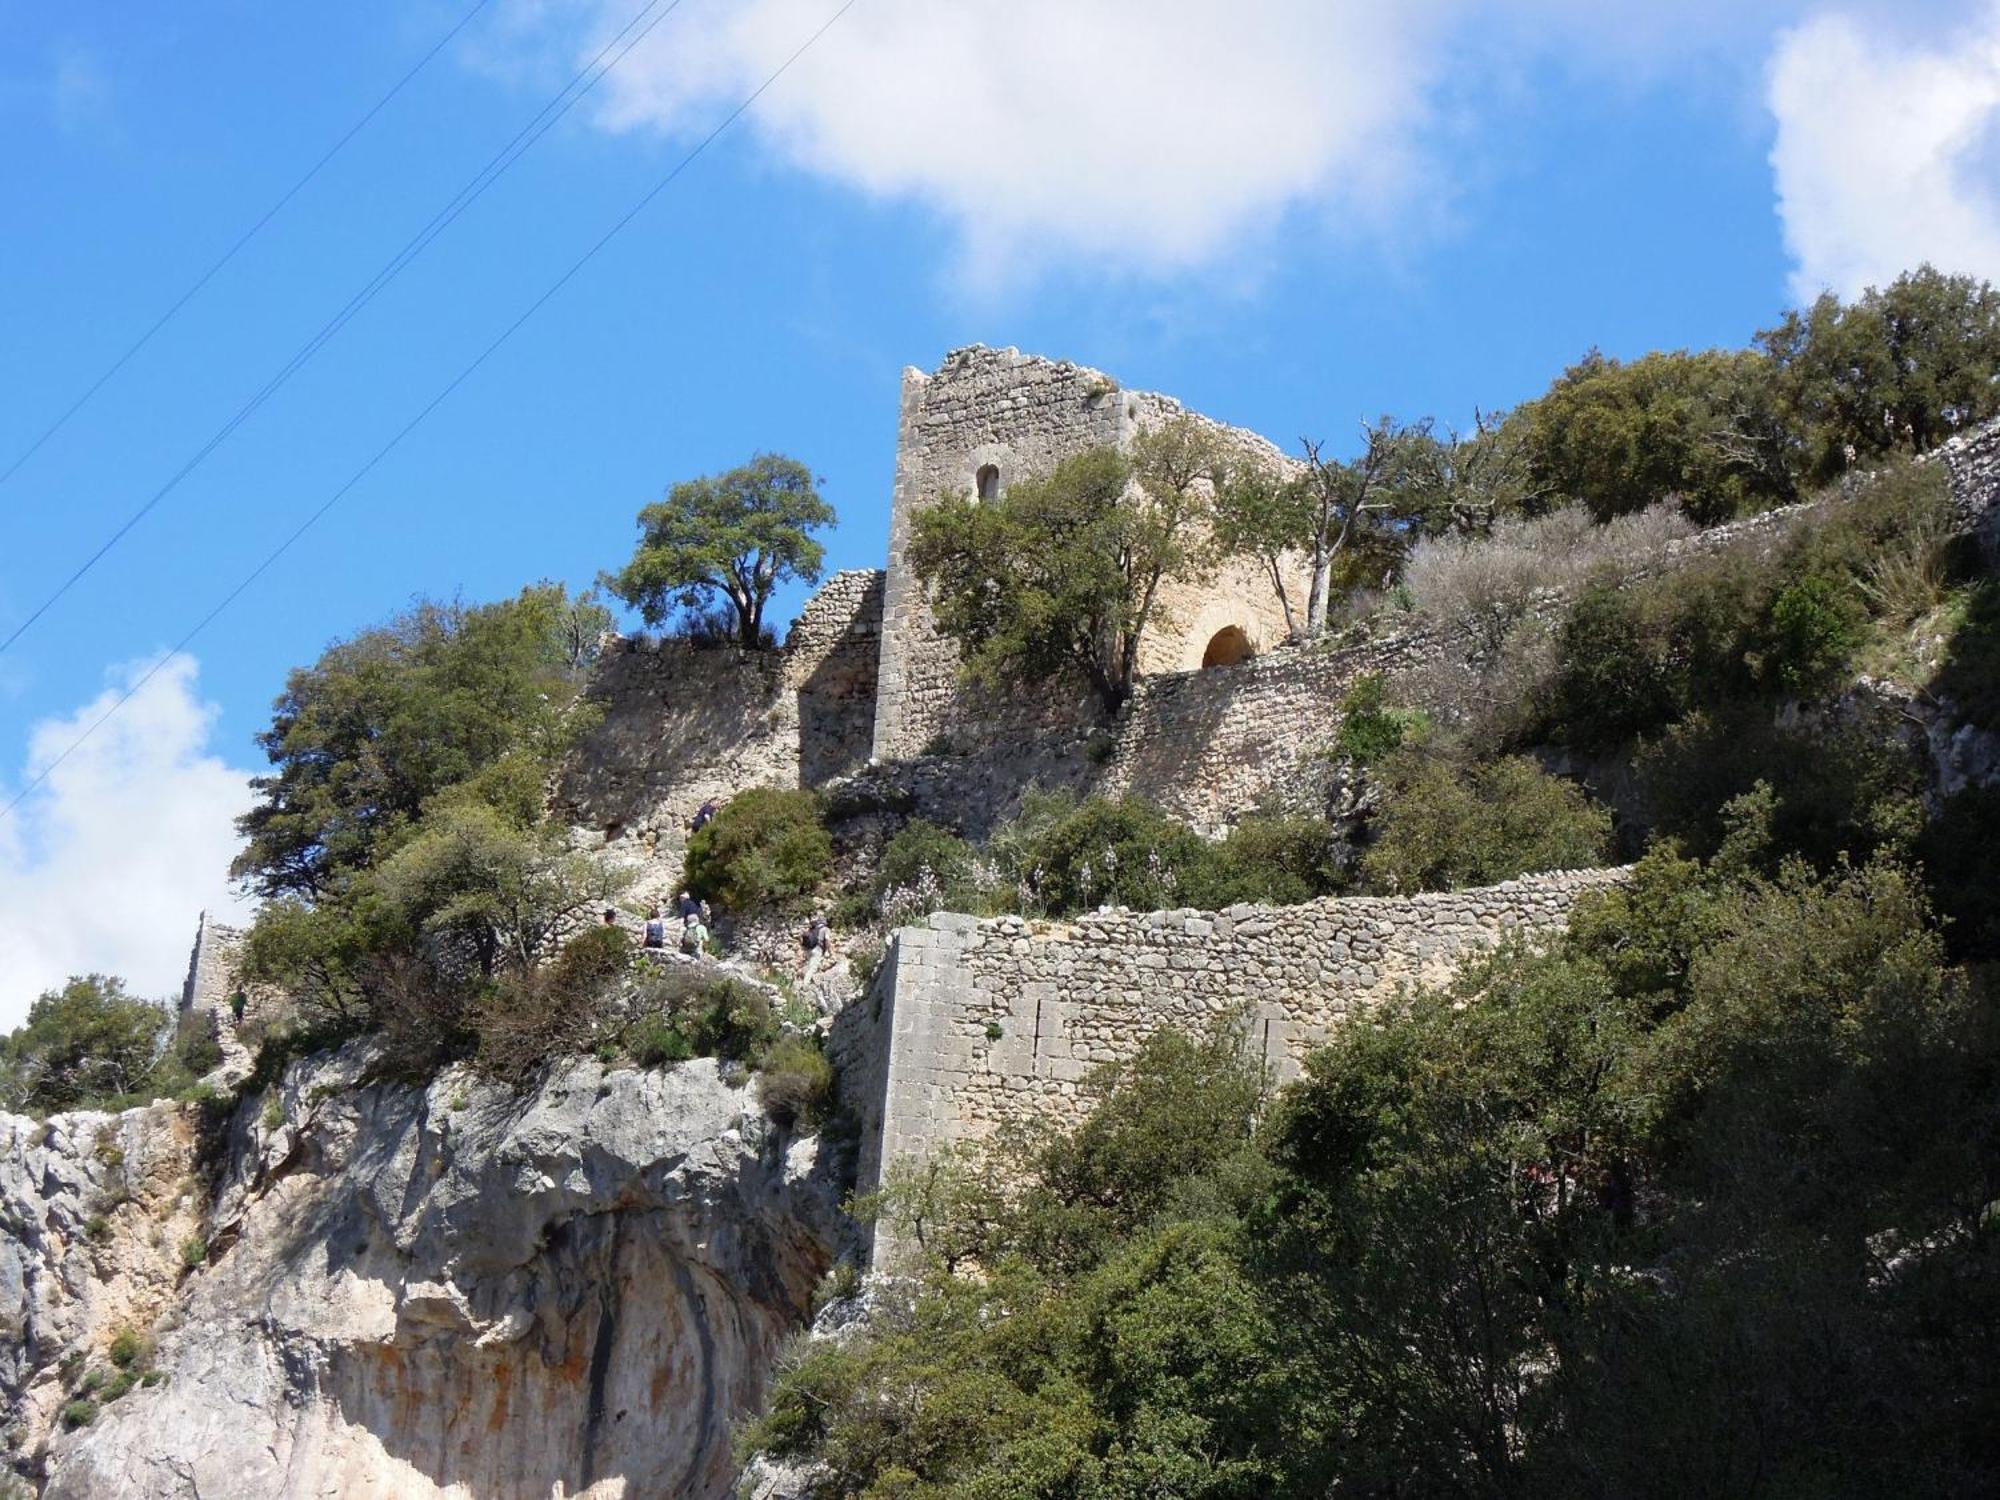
766	850
79	1413
89	1044
687	1012
1122	853
1445	825
1816	624
796	1084
924	868
194	1252
1846	789
1277	860
1369	727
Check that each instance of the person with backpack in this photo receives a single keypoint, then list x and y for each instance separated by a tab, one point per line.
656	929
694	934
817	940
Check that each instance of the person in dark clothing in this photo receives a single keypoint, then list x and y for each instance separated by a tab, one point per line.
656	929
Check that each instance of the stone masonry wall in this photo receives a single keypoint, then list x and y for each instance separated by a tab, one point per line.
987	1021
686	722
1023	415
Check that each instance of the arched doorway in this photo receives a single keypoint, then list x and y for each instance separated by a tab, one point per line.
1227	647
986	484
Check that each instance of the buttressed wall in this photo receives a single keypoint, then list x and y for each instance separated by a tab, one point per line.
978	1022
983	419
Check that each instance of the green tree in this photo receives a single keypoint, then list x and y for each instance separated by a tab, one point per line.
88	1043
730	537
1062	573
1902	368
442	696
1704	429
501	898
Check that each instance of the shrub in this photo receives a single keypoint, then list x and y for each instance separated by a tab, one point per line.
1816	624
1842	789
88	1043
796	1084
923	869
1124	852
194	1252
1445	825
655	1042
1484	584
1369	727
79	1413
766	850
712	1015
1277	860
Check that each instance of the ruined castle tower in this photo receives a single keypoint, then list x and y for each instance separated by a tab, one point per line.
983	419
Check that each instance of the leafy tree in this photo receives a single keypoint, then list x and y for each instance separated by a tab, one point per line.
732	537
1704	429
443	696
1901	369
1445	825
767	849
89	1043
497	897
1461	482
1062	573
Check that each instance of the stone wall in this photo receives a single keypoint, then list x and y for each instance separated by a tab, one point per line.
986	1021
1020	415
684	722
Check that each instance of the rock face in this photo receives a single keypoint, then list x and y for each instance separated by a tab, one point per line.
94	1208
466	1291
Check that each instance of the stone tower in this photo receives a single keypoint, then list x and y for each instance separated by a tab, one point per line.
984	418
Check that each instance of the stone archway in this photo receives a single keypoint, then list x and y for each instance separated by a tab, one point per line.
1227	647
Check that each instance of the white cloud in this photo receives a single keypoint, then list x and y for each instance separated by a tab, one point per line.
1125	134
1885	154
106	865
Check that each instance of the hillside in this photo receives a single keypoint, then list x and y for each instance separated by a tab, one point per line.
1530	1031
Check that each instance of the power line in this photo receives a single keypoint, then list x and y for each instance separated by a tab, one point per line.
548	295
241	240
475	187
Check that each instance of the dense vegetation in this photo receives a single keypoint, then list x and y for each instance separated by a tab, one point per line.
1705	1200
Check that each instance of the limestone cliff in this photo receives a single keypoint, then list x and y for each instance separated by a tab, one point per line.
454	1290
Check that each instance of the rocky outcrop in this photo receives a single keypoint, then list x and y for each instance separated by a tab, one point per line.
94	1209
466	1290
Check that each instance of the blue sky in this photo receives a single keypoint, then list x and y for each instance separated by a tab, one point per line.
1294	214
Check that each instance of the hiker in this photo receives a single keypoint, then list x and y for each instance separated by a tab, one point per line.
817	940
610	916
694	934
704	815
686	906
656	928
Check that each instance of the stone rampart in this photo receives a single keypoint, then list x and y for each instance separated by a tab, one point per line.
685	721
989	1021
